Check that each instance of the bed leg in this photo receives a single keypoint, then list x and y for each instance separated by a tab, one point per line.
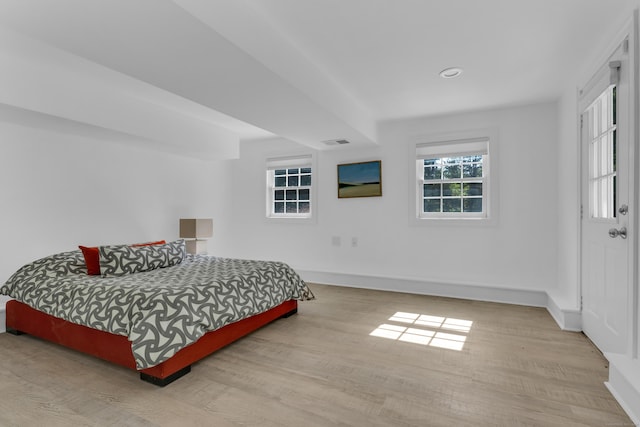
14	331
289	314
161	382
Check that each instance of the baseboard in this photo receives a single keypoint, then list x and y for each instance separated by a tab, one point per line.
568	319
470	291
624	383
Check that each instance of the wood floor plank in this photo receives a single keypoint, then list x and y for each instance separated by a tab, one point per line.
324	367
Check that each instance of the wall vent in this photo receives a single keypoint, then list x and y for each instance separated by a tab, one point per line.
335	142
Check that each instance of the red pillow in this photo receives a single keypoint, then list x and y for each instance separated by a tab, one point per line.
92	256
91	259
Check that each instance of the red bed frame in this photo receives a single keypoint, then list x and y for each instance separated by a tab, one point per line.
23	319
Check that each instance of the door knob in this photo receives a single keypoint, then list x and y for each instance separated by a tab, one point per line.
613	233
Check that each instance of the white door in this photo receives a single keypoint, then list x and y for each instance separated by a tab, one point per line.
605	140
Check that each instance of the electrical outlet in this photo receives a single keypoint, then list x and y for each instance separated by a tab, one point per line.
354	242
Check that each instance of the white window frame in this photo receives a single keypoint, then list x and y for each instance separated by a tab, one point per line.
290	162
602	171
480	142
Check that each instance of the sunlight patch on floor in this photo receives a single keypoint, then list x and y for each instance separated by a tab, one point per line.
435	331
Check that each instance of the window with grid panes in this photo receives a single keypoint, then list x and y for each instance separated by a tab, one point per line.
289	187
452	179
602	155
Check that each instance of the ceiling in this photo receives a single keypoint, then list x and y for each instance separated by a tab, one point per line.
388	53
305	70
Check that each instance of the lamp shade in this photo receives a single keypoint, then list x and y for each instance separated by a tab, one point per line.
192	228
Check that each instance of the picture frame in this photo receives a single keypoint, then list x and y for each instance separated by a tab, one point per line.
362	179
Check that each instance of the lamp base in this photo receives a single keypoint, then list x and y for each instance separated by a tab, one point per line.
196	247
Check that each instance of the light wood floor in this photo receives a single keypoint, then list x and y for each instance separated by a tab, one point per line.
322	368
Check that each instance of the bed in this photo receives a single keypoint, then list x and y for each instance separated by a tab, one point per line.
153	308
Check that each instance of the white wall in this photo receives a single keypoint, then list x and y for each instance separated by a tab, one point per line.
566	293
63	184
519	252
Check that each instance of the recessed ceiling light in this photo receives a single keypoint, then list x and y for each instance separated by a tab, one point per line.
450	73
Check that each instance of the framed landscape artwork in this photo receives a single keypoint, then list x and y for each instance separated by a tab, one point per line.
362	179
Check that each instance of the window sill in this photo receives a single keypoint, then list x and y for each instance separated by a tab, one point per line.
453	222
290	220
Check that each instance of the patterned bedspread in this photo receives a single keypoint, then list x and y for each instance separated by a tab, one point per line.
163	310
